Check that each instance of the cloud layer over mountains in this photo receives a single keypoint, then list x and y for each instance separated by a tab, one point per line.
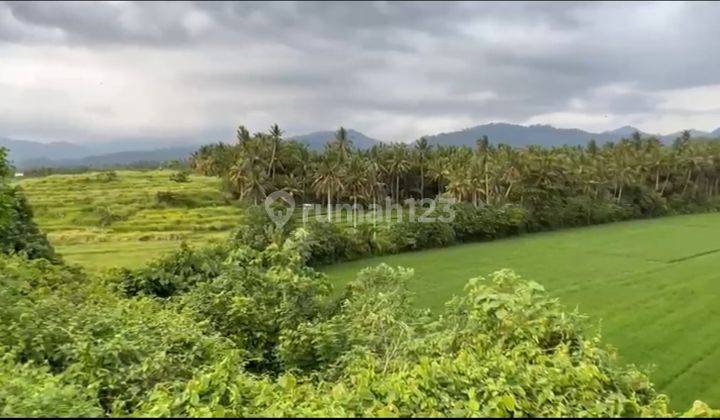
101	71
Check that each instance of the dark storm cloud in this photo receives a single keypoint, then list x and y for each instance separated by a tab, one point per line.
319	64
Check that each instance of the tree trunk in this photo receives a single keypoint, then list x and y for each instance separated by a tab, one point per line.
271	168
687	181
487	184
329	205
422	183
397	189
355	211
665	184
374	218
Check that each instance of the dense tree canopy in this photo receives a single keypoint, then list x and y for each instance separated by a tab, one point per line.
639	172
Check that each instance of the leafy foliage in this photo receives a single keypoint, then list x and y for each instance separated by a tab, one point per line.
174	273
247	332
18	231
180	176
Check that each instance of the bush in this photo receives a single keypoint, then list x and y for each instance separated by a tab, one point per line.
413	235
115	349
18	231
173	199
174	273
106	176
505	348
257	230
330	242
180	176
107	217
26	390
260	297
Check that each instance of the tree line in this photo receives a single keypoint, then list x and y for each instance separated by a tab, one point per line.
626	172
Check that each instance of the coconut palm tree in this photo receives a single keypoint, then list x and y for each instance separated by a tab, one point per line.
275	139
422	149
398	165
342	144
328	181
355	182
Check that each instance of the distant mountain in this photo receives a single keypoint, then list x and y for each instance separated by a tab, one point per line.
669	138
111	159
520	135
21	150
26	154
625	131
716	132
318	139
543	135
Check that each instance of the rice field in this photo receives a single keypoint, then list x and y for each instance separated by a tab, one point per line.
652	287
101	221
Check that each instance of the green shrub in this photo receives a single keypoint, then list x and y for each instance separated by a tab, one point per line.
505	349
330	242
106	216
106	176
115	350
257	230
180	176
174	273
260	297
27	390
175	199
18	231
413	235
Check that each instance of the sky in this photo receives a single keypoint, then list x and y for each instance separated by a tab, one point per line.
94	72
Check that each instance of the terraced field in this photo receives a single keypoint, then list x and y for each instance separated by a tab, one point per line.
653	284
126	221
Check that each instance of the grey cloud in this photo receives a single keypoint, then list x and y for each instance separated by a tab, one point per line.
314	64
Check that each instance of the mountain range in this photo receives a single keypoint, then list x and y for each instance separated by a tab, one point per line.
30	154
547	135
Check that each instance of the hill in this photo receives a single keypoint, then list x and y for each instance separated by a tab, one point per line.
318	139
112	159
543	135
22	150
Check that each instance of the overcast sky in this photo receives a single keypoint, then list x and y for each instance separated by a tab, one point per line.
395	71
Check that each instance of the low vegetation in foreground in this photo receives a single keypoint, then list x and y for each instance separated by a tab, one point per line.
255	333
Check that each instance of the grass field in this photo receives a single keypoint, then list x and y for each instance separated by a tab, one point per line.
653	284
129	220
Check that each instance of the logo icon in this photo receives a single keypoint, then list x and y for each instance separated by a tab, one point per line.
280	206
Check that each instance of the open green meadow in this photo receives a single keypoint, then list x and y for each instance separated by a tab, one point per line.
653	284
102	221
